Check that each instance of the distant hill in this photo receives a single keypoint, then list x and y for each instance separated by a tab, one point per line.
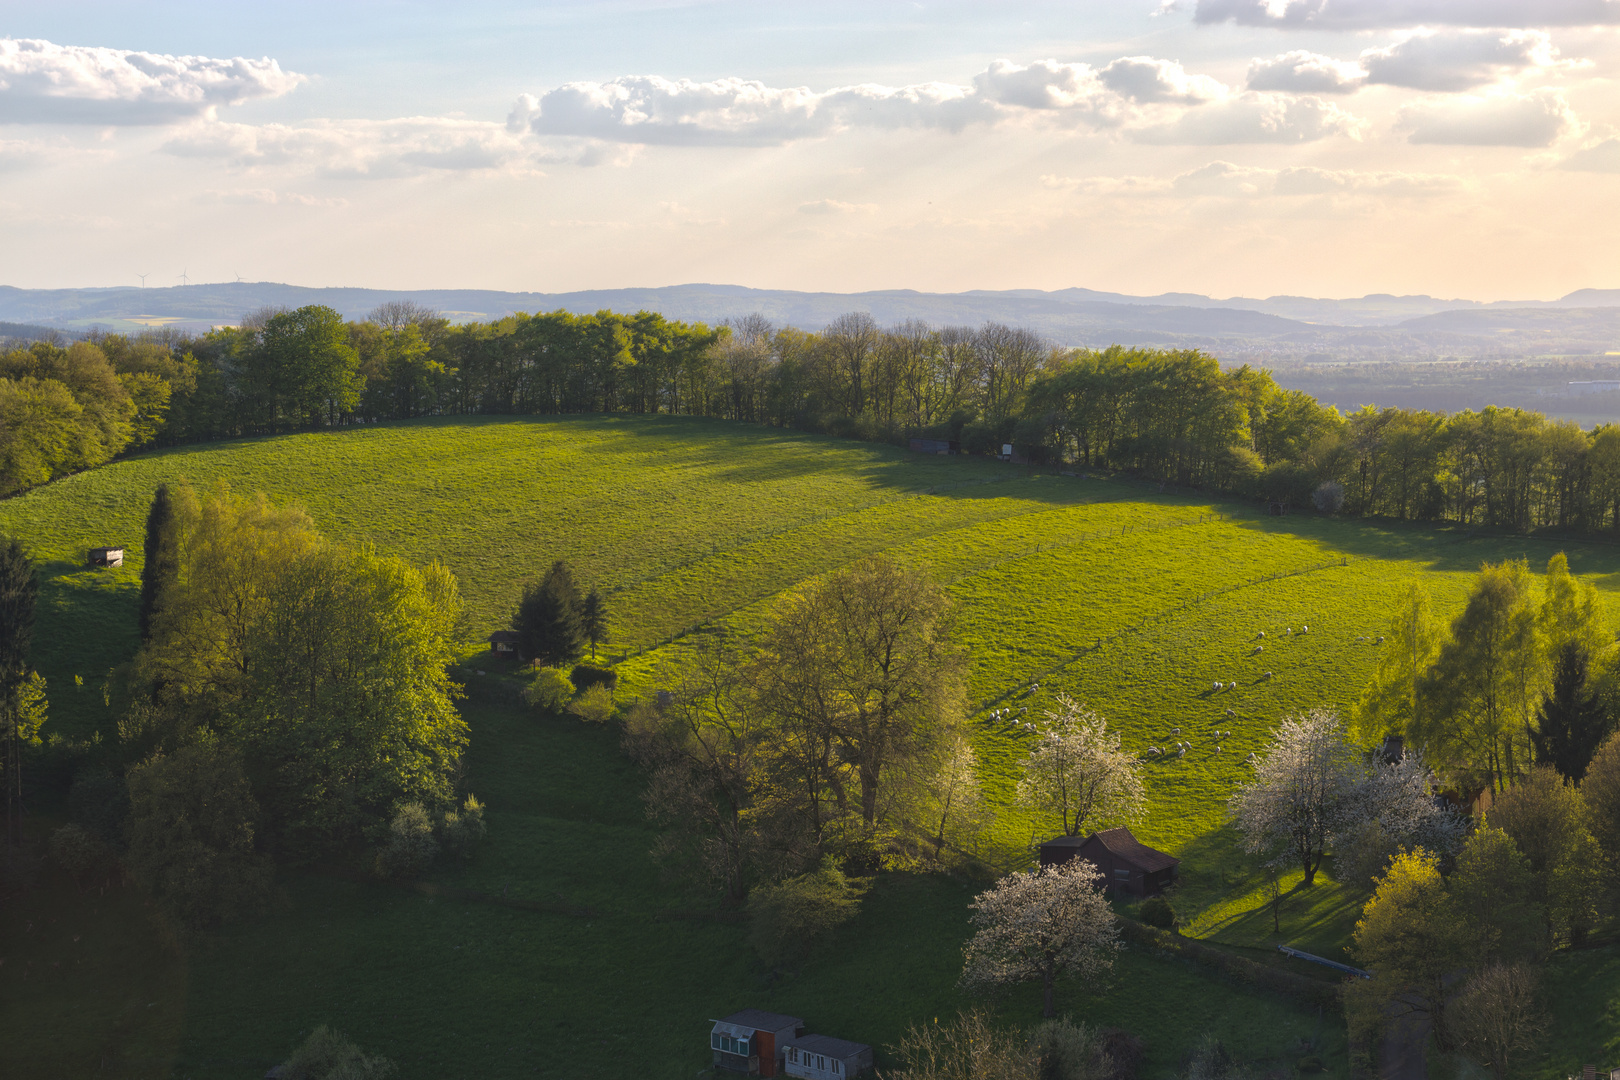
1379	326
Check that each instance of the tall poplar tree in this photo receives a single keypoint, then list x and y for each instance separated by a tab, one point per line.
1389	705
160	567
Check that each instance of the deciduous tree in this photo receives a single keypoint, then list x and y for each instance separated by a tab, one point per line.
1410	936
1305	790
1077	771
1038	925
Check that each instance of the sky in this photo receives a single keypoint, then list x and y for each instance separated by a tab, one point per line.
1459	148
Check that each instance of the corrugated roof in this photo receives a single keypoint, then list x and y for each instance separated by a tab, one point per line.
1122	845
760	1020
842	1049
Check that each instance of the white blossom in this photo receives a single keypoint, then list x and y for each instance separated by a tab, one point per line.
1077	771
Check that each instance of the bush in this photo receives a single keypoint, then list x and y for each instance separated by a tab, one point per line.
1329	497
410	848
594	706
584	676
191	823
76	850
787	918
1156	911
327	1055
549	690
1070	1051
464	828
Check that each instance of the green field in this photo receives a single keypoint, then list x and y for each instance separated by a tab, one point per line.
578	960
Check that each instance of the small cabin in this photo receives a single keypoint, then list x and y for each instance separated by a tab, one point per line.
1127	864
935	446
753	1042
504	643
822	1057
106	556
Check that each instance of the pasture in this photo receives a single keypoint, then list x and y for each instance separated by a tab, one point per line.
558	951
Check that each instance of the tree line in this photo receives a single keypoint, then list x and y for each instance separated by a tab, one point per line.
1166	415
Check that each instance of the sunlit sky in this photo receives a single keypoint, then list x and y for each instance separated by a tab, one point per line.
1231	147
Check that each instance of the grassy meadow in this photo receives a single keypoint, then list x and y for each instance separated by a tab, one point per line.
559	951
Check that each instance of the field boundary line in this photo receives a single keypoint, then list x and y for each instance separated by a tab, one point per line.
1136	628
1101	534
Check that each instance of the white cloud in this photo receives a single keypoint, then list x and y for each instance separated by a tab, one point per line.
266	197
1223	179
1454	60
833	206
1535	119
1602	158
361	148
1142	78
45	83
1254	118
1388	14
1302	72
650	109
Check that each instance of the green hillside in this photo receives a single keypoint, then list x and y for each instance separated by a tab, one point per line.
1133	600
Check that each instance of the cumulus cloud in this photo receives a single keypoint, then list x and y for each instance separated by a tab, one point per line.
1254	118
1453	60
45	83
1302	72
649	109
1389	14
1529	120
1223	179
360	148
1602	158
1142	78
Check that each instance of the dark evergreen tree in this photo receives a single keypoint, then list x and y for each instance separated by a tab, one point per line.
19	592
161	566
1573	723
548	619
593	619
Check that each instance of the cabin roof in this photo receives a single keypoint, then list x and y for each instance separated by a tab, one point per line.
1127	848
504	635
760	1020
842	1049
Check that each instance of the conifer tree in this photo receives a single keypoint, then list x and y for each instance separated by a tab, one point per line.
1572	722
548	619
160	568
593	619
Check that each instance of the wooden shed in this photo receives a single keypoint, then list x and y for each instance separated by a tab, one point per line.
1127	864
935	446
822	1057
753	1041
504	643
106	556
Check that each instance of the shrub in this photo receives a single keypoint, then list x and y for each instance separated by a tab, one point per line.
76	850
1071	1051
464	828
549	690
1156	911
99	801
584	676
410	847
594	706
327	1055
787	918
191	836
1329	497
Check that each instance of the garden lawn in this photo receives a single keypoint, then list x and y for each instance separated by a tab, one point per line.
1130	600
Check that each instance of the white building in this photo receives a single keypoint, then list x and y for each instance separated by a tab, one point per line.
822	1057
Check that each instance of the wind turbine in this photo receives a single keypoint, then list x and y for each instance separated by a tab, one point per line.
143	278
184	281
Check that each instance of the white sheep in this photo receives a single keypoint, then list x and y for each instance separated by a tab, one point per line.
1361	639
1268	674
1217	748
1175	731
1229	712
1258	649
1304	629
1262	633
1183	752
1153	749
1380	639
1231	686
1217	686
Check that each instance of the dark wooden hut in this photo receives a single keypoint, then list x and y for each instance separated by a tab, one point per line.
106	556
1127	864
504	643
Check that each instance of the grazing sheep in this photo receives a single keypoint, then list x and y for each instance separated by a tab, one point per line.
1262	633
1380	639
1268	674
1175	731
1217	686
1217	748
1229	712
1304	629
1153	749
1231	686
1258	649
1361	639
1183	752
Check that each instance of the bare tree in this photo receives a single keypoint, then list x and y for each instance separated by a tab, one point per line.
1039	925
1078	771
395	315
852	340
1305	790
1499	1017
